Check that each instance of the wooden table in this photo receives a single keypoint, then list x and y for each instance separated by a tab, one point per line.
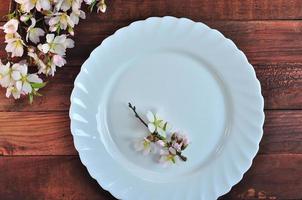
38	159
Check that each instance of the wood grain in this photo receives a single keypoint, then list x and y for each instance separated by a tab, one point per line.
47	177
4	8
271	177
28	133
282	132
48	133
118	10
64	177
281	85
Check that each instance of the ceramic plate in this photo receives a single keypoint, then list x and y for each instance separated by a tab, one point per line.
197	80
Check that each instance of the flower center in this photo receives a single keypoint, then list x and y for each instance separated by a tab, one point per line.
9	36
24	79
63	17
18	43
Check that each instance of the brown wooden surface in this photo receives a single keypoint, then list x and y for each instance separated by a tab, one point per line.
64	177
37	156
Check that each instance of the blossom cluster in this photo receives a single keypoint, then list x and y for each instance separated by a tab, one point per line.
161	140
37	35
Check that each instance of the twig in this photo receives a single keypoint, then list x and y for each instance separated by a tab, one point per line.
136	115
184	158
155	134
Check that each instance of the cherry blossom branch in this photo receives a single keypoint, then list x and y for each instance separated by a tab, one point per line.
158	128
133	108
37	35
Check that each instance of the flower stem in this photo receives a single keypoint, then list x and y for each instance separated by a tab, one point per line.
136	115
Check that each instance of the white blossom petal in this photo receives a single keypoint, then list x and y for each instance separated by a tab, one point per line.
150	116
33	23
50	37
11	26
23	69
16	75
54	20
74	17
58	60
151	127
44	48
60	39
19	85
26	88
59	49
34	78
6	81
161	132
43	4
69	43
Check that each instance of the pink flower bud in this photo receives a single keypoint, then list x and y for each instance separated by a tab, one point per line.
58	60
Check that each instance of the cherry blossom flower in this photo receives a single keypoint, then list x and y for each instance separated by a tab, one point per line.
56	45
28	5
179	141
23	79
50	67
6	79
60	20
37	61
11	26
58	16
67	4
10	36
12	90
33	33
75	15
15	46
167	158
160	143
169	148
156	124
143	145
56	60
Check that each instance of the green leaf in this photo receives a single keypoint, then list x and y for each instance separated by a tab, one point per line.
165	126
38	85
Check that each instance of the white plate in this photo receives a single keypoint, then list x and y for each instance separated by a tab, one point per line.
197	79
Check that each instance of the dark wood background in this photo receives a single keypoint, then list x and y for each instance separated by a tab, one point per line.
37	156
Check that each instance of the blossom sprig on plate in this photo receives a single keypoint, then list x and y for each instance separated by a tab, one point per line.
161	139
37	35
